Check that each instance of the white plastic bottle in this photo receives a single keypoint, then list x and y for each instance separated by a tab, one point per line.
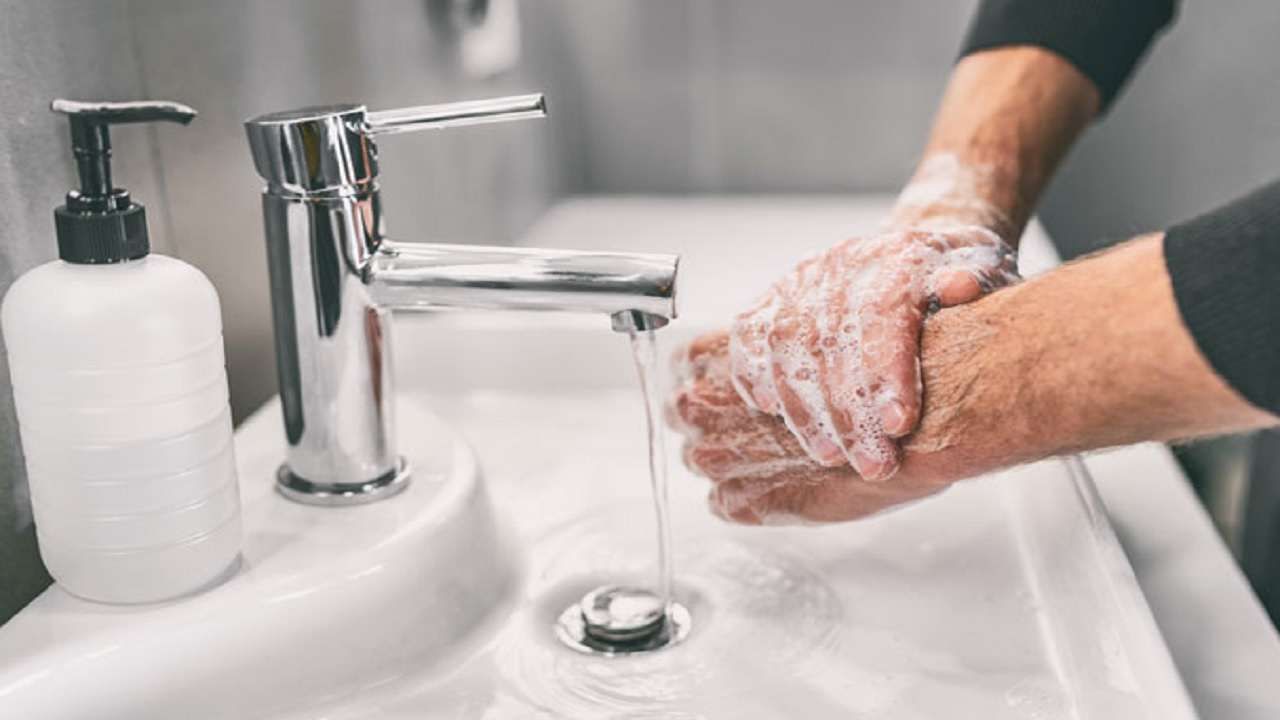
120	387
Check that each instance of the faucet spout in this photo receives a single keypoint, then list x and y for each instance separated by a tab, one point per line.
419	276
634	321
335	280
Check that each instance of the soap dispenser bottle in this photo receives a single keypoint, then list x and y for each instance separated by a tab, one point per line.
119	383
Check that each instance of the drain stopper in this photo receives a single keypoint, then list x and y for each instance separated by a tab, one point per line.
617	620
615	614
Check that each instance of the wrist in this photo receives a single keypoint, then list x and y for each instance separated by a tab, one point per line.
1091	355
1008	115
976	416
948	190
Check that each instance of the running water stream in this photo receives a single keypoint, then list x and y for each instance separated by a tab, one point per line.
618	620
644	349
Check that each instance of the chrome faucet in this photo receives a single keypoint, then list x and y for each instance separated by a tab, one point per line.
335	280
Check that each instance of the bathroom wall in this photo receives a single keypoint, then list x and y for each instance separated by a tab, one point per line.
232	59
837	95
757	95
1199	126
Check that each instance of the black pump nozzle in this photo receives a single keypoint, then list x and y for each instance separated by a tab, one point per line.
100	223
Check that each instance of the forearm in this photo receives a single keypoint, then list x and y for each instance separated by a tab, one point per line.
1035	73
1092	355
1007	118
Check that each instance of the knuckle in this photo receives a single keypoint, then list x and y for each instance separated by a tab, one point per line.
675	418
682	405
709	461
791	499
686	456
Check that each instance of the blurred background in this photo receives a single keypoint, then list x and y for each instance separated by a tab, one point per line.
670	97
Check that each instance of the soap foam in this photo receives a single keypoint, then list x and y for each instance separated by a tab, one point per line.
822	346
945	181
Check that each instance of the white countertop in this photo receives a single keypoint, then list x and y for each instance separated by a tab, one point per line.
1221	639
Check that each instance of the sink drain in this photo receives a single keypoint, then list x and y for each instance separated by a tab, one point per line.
616	620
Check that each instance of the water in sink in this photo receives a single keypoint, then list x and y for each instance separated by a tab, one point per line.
987	601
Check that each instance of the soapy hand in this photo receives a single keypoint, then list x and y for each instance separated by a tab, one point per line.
760	472
833	347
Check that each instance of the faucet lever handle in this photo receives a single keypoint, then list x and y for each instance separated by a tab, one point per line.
457	114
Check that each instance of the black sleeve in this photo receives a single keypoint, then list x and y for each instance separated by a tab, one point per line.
1104	39
1225	268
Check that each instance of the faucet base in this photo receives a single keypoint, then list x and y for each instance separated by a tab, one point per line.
340	494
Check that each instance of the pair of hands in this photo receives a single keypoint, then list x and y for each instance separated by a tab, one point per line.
797	413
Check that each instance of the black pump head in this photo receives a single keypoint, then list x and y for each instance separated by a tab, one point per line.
100	223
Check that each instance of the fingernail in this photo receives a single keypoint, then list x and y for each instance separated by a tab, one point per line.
745	516
686	456
894	417
766	402
827	452
871	469
713	504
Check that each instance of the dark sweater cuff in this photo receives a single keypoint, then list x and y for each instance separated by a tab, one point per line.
1225	268
1104	39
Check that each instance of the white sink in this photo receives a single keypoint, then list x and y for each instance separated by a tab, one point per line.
1003	598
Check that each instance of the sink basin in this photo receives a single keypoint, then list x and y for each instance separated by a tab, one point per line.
1005	597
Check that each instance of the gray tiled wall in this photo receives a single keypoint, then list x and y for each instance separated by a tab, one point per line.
837	95
757	95
1199	126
